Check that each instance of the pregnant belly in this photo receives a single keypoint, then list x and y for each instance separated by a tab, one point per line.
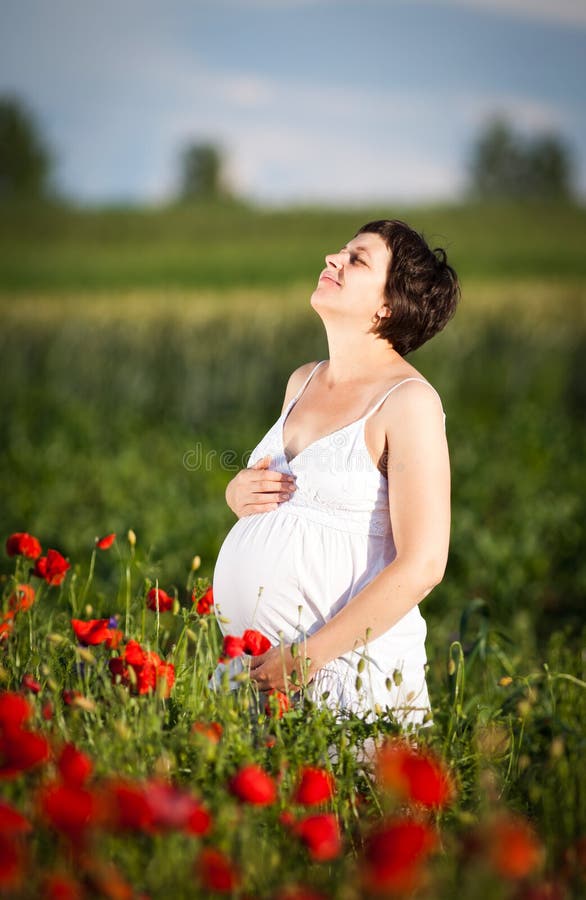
286	575
280	573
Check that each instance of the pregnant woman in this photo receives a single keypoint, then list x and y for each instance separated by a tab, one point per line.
344	508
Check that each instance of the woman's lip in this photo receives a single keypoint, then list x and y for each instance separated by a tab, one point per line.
329	278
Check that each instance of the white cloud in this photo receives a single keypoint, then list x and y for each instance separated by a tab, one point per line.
244	90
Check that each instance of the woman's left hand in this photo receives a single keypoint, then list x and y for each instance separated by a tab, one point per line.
278	669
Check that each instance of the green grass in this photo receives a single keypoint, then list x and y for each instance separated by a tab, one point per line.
202	248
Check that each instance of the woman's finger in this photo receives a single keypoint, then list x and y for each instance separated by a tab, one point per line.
262	463
268	482
256	661
271	497
252	508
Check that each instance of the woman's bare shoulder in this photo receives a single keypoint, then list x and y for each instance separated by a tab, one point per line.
296	379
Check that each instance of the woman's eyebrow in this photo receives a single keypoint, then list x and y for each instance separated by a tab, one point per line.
358	249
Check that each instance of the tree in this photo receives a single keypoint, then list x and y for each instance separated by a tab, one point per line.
505	165
202	176
25	161
550	167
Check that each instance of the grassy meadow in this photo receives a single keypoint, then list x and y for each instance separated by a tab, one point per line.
143	355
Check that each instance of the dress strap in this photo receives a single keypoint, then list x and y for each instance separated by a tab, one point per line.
390	391
307	380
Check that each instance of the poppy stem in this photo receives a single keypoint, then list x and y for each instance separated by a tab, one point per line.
88	582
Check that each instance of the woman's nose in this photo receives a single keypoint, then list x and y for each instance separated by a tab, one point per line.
334	259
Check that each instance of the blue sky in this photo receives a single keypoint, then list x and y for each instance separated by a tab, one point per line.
311	100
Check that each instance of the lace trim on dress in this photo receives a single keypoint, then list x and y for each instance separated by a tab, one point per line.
324	512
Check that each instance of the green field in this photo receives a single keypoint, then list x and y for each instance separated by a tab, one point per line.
213	248
121	353
131	339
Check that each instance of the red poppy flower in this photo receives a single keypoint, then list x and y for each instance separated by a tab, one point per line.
414	775
114	638
165	678
12	821
149	670
92	632
146	677
23	544
513	848
156	598
155	671
395	853
134	654
97	631
106	542
69	697
255	643
58	886
216	872
69	808
173	808
321	835
429	782
277	704
47	711
12	863
299	892
205	603
119	671
22	598
74	766
30	683
52	567
6	625
127	806
20	751
233	646
15	710
253	785
198	821
315	786
211	730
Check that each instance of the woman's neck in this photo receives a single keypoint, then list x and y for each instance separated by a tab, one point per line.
353	359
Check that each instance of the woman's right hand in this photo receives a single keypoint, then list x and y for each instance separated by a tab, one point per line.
258	489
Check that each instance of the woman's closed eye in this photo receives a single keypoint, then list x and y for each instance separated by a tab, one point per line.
355	258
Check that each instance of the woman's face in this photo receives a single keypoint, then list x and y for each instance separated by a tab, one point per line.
354	278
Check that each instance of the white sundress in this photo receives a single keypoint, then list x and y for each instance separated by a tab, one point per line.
287	571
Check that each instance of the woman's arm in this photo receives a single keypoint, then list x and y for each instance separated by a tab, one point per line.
418	472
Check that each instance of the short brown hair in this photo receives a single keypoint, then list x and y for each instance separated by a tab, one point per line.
421	289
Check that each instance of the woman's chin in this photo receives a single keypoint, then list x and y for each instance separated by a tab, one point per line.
321	299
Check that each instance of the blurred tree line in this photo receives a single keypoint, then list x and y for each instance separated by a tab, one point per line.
25	160
502	164
505	165
202	173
